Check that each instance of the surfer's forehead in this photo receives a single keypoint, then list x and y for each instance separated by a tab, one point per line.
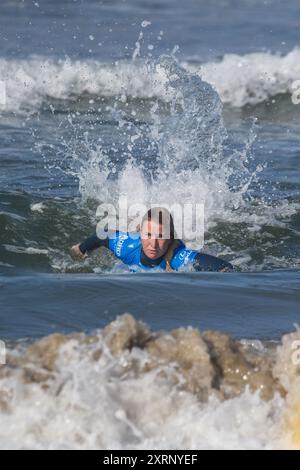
156	229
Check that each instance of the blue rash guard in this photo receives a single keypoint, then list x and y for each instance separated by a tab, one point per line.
128	248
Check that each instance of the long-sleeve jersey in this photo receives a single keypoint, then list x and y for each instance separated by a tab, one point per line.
128	248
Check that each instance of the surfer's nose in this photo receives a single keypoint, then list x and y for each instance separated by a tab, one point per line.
153	242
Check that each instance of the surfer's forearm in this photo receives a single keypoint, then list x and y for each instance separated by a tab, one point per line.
92	243
205	262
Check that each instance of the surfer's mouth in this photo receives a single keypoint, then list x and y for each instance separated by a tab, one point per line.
153	252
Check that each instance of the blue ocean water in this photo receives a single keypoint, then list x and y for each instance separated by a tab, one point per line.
90	110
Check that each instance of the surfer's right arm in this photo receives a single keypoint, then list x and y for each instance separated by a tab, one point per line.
90	244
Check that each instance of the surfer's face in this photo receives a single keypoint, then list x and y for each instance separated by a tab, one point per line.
155	239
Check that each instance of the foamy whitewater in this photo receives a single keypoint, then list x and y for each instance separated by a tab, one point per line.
239	79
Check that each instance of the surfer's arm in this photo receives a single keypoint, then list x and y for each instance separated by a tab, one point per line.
205	262
90	244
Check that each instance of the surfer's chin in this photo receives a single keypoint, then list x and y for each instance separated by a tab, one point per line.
153	254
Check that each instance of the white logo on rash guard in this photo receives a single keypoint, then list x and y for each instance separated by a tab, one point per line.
120	243
185	255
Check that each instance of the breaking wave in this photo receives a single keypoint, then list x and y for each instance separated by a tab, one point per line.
239	80
127	387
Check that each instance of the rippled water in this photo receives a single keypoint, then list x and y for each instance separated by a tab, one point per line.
80	129
159	102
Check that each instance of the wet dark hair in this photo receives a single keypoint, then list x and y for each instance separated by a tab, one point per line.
163	217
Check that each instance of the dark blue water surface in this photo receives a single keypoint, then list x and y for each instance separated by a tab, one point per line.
81	103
